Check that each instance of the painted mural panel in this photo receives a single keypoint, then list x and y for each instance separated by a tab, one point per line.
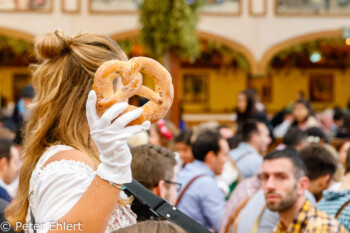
111	6
313	7
225	7
321	87
26	5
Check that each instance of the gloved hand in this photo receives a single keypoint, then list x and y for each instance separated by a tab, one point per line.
111	139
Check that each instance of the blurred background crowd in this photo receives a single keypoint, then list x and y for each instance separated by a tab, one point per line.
321	138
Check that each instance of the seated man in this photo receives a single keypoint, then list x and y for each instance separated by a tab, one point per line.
153	167
200	197
255	139
284	181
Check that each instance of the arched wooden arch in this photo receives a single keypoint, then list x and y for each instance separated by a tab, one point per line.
17	34
232	45
270	53
208	36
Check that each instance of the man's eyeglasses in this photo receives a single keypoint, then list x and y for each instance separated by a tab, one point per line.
177	187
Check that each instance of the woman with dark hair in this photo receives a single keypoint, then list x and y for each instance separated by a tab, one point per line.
183	146
247	107
303	115
250	108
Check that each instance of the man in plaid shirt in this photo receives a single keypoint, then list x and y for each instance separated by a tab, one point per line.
284	183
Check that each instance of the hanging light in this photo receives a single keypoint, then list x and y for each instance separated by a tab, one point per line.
346	35
347	41
315	57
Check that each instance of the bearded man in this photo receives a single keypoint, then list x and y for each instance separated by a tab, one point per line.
284	182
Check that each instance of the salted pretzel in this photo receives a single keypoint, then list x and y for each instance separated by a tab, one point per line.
130	72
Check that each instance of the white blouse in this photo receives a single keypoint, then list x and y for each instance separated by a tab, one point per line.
55	189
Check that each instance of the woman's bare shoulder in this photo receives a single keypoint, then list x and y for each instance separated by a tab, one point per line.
71	155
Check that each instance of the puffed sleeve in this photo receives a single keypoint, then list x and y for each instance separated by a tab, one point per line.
57	188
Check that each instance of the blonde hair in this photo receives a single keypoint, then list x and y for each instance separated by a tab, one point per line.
152	226
62	79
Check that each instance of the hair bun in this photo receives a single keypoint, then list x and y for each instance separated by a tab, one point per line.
51	45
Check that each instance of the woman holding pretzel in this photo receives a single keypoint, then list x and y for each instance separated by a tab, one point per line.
74	162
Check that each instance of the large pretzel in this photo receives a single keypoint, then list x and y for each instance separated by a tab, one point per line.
130	72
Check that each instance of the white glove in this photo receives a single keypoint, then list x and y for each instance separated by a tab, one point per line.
111	139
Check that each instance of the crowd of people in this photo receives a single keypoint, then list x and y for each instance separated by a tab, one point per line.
289	172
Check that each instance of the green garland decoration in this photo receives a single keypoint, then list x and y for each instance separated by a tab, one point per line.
304	50
170	25
18	46
229	54
127	44
15	52
210	47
